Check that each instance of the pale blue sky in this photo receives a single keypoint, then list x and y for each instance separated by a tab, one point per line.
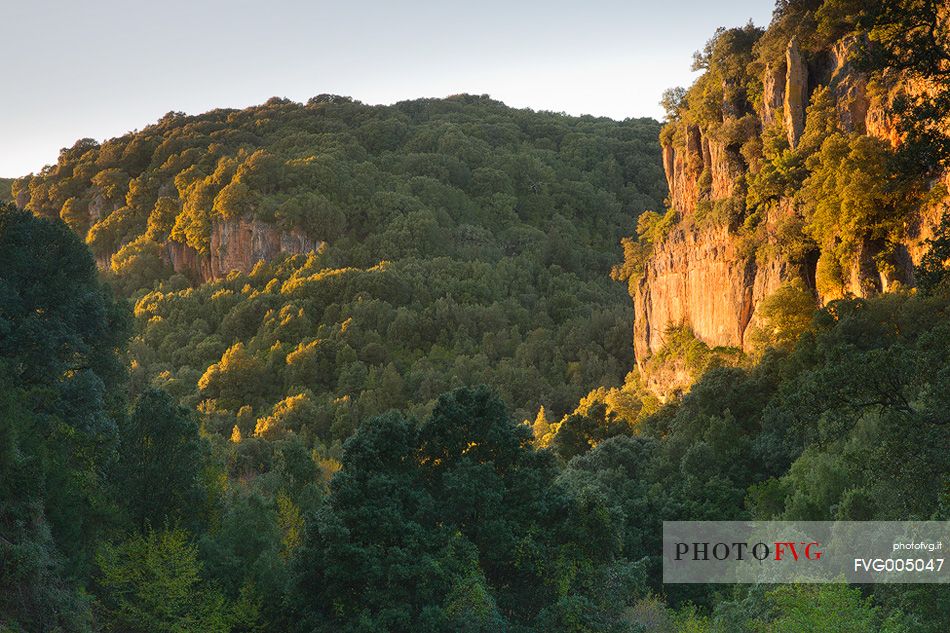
99	68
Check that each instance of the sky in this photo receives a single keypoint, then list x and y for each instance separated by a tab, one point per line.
100	68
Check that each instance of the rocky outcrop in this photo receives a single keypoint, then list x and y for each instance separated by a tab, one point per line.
706	279
188	261
684	165
849	87
865	278
796	93
701	278
725	167
773	95
702	275
701	167
237	245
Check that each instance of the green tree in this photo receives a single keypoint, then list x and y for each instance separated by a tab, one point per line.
139	264
151	583
460	518
932	271
783	317
158	474
913	37
60	399
833	608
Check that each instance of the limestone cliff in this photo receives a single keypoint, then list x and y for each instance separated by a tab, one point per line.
702	279
709	275
237	245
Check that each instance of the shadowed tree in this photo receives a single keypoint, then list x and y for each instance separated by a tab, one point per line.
161	456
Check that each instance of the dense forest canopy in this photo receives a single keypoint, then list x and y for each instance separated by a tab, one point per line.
465	243
433	422
123	515
360	177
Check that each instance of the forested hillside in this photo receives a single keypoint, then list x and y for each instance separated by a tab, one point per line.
6	189
333	367
429	176
123	515
458	242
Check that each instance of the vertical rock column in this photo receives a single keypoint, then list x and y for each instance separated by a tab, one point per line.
796	92
773	95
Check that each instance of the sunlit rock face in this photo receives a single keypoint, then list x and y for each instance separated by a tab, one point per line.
703	275
237	245
796	93
703	278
